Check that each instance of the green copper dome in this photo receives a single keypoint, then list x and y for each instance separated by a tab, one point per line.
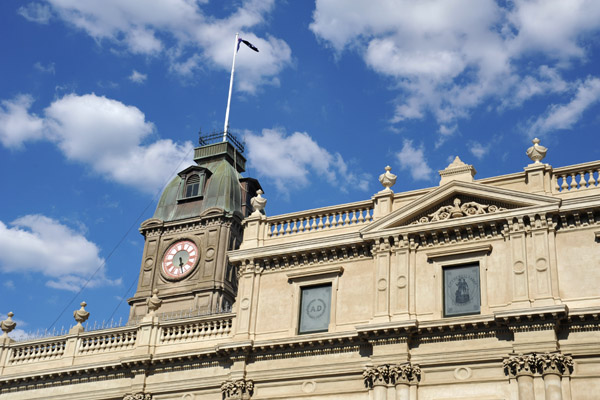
218	185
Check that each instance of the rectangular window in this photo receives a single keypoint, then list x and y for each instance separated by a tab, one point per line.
462	290
315	308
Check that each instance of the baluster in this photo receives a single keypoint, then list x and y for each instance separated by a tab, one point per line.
582	182
288	229
555	183
361	217
294	226
327	222
313	223
320	224
591	179
353	221
346	218
573	181
564	185
268	230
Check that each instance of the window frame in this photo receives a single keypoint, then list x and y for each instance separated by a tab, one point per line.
302	290
181	196
313	278
445	268
455	257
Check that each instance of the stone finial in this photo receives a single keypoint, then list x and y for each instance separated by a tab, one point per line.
80	316
387	179
536	152
8	324
457	171
153	302
258	203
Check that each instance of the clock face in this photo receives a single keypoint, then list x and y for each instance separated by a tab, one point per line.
180	259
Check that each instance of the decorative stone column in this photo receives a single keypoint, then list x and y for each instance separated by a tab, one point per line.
552	366
522	367
242	389
402	376
377	379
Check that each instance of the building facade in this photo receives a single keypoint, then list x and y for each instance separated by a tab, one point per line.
473	289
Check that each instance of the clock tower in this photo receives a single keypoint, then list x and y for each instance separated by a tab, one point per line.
197	220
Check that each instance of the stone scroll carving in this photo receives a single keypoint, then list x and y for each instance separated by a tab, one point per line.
392	374
237	390
458	210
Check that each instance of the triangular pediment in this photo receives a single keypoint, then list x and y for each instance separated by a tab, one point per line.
461	202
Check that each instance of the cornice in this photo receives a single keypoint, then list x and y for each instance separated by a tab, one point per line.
295	246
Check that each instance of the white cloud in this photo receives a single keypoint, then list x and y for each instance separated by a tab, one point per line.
289	160
185	33
49	69
561	117
108	135
103	133
138	77
478	150
447	58
413	159
36	12
17	125
35	244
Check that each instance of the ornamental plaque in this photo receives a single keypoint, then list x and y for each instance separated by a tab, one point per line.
462	290
315	309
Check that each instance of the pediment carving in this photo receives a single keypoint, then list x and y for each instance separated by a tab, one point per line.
460	208
460	203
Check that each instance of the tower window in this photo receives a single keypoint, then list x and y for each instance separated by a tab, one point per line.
192	186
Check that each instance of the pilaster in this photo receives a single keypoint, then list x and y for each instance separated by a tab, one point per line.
382	255
248	285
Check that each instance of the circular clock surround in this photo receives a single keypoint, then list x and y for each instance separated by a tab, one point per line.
180	259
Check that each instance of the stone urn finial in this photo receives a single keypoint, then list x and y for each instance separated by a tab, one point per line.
153	302
387	179
536	152
258	203
80	316
8	324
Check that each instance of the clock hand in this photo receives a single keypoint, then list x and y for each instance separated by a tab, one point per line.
181	264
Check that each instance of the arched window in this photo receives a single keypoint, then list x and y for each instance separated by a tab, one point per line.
192	186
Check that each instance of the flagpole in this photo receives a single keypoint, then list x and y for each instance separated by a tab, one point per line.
226	127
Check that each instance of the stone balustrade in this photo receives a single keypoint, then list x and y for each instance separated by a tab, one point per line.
197	330
35	352
94	342
75	347
320	219
576	177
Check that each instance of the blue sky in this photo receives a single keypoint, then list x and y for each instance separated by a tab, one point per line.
101	103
